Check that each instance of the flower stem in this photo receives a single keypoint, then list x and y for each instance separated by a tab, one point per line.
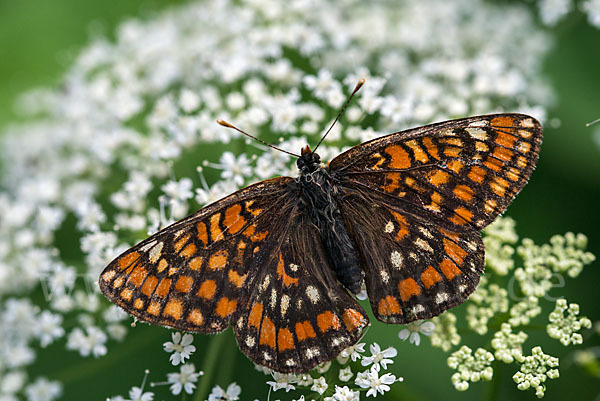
209	366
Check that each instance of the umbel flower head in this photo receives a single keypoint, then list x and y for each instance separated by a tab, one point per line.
128	143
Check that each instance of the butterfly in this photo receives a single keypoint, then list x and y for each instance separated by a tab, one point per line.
281	260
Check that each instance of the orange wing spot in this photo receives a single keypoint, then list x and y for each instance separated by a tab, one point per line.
188	251
436	201
505	139
513	174
287	280
285	340
218	260
255	315
137	276
525	134
499	186
181	242
118	282
418	152
215	231
389	306
267	333
128	260
430	277
163	287
461	216
149	285
162	265
463	192
493	164
456	253
254	236
195	317
477	174
455	165
202	234
379	160
449	269
108	276
327	320
154	308
236	279
173	308
138	303
503	154
502	121
196	263
403	223
521	162
253	212
449	234
226	307
304	330
400	157
407	288
392	182
438	177
234	221
490	205
126	294
184	284
432	149
207	289
353	319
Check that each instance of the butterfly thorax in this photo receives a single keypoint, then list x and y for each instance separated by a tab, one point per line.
317	193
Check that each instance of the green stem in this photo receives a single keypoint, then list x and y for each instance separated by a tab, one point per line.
494	387
208	366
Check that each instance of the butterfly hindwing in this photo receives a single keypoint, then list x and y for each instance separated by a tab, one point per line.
414	268
465	172
191	275
297	314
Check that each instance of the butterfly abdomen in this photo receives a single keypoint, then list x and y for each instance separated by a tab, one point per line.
317	194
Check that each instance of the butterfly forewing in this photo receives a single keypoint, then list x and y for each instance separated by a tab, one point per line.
465	171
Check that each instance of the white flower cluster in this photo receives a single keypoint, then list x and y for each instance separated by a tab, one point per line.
371	379
566	328
470	367
553	11
445	335
486	301
535	369
507	345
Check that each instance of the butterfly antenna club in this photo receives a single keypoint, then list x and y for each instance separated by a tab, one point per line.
228	125
359	85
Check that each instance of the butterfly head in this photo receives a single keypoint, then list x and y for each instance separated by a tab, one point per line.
309	161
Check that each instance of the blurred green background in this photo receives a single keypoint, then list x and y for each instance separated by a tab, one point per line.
39	38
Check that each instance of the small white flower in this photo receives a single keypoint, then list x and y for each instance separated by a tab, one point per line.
345	394
137	394
182	348
370	379
379	357
282	382
319	385
232	394
188	100
345	374
413	329
234	168
354	352
179	190
43	390
49	328
185	379
91	343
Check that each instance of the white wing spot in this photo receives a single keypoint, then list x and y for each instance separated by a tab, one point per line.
313	294
293	267
477	133
397	259
312	352
250	341
265	283
273	298
285	304
290	362
441	297
426	232
389	227
384	276
267	356
148	246
418	308
156	252
479	123
413	256
421	243
528	122
462	288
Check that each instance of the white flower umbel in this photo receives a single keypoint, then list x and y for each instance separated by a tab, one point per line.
535	369
231	394
415	328
507	345
471	367
43	390
566	328
445	335
376	384
181	347
344	394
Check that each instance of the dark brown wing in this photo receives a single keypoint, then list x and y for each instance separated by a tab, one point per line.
461	172
415	201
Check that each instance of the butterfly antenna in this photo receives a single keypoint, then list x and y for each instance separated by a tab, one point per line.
593	122
226	124
359	84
